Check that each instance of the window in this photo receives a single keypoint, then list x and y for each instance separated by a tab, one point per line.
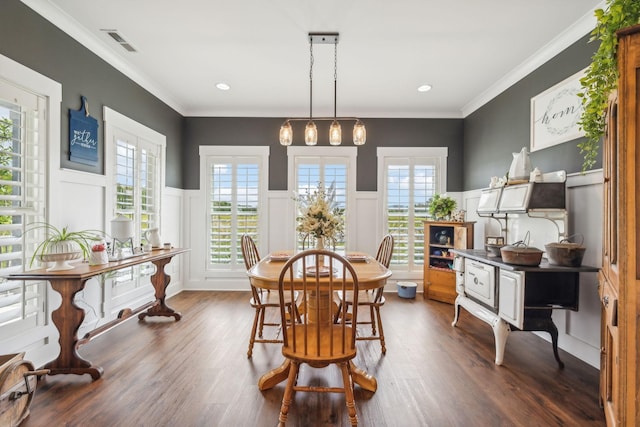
235	182
23	130
411	176
326	165
137	154
137	181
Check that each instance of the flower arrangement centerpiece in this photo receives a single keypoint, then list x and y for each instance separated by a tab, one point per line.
319	214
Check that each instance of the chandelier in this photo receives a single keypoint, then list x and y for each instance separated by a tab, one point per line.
335	130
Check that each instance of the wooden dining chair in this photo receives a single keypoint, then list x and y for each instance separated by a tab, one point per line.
262	299
317	341
374	299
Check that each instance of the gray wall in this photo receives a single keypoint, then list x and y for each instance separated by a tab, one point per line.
502	126
31	40
480	146
380	133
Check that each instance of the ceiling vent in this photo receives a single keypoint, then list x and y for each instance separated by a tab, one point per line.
120	40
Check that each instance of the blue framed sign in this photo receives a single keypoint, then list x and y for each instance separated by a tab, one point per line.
83	136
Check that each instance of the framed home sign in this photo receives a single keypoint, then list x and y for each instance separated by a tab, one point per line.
555	114
83	136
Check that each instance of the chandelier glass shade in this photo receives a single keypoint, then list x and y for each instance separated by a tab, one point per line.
311	133
286	133
335	133
335	130
359	133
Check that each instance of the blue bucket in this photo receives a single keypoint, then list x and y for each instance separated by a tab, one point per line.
407	289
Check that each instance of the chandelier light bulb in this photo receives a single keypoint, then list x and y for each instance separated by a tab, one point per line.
359	133
311	134
335	133
286	134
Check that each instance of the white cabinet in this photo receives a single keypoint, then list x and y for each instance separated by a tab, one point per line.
511	297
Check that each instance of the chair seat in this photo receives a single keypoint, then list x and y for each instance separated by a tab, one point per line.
271	299
307	352
364	297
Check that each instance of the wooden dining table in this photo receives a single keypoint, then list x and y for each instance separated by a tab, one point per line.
371	275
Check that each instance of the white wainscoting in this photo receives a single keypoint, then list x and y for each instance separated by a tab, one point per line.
365	234
78	201
579	332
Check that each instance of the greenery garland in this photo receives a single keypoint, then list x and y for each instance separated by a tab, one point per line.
602	75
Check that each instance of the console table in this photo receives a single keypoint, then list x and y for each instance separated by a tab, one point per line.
68	317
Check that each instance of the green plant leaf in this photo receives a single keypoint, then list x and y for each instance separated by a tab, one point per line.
602	75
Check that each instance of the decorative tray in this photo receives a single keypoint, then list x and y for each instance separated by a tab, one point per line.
279	256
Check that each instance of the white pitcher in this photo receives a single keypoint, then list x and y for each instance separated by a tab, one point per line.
521	166
153	236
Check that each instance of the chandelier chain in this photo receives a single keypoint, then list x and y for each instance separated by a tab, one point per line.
311	80
335	79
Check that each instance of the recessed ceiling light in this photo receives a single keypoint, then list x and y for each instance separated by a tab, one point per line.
223	86
424	88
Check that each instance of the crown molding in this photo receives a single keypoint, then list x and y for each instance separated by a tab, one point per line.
74	29
579	29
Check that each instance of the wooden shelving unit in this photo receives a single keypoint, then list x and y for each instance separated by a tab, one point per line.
440	237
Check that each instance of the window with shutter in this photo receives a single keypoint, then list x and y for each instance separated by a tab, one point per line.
22	202
137	175
236	184
411	176
309	166
327	171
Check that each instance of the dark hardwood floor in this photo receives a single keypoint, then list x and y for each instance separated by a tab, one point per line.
195	373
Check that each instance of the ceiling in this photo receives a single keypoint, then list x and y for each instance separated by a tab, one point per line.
468	50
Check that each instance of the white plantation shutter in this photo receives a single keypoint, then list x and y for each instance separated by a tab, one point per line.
137	155
137	164
233	200
149	184
22	202
326	170
410	180
137	176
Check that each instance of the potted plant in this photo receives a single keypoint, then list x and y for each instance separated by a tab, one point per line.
62	245
602	75
440	207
